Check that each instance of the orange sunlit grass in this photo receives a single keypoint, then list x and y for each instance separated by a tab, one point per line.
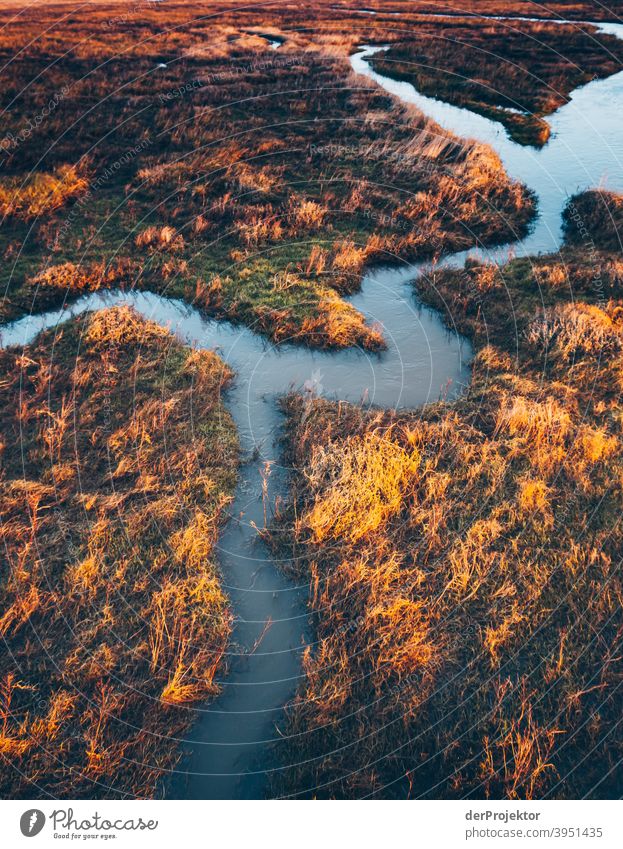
112	609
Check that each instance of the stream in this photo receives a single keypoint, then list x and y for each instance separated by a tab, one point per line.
234	741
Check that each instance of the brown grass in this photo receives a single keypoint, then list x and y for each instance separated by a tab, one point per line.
363	486
195	189
112	614
40	193
464	560
595	218
492	67
467	628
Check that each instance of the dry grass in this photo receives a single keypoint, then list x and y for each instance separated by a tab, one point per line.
112	614
40	194
595	218
195	188
464	561
68	277
363	481
515	72
572	331
160	239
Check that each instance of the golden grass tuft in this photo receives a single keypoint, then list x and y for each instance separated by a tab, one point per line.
160	239
363	482
40	193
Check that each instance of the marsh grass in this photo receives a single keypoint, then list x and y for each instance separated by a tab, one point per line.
442	550
464	560
595	218
212	174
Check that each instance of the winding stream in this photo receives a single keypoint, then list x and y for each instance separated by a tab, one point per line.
234	737
584	151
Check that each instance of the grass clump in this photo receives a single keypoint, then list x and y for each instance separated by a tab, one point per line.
594	218
112	613
363	484
40	193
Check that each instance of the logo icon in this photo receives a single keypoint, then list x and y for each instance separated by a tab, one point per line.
31	822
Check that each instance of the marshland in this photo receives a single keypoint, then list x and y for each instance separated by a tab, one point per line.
310	439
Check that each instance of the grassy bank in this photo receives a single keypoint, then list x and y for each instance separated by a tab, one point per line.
197	162
116	461
464	560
